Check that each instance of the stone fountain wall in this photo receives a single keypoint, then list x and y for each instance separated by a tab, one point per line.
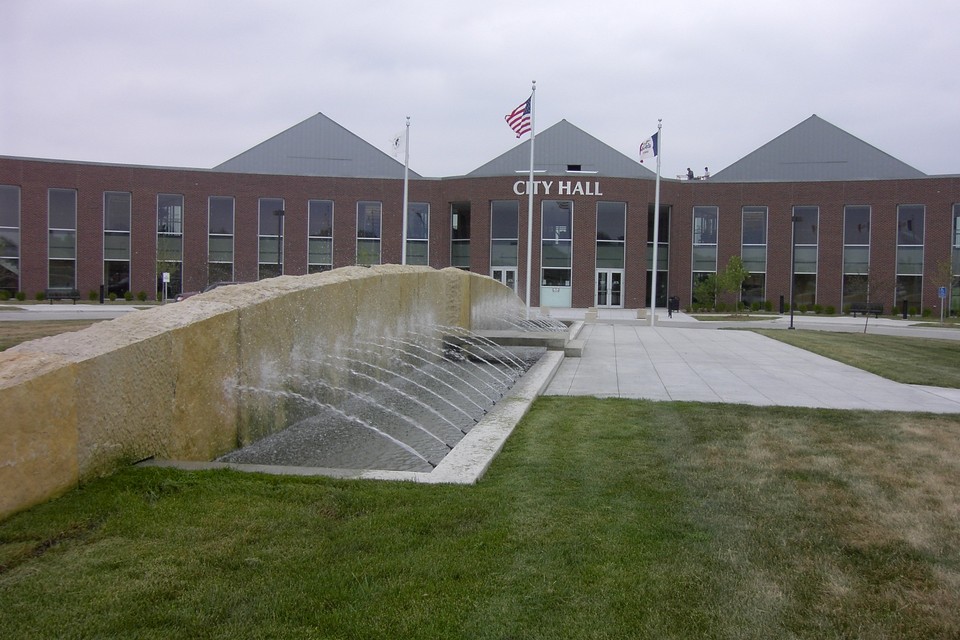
168	382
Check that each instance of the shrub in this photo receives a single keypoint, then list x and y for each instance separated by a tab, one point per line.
93	296
830	310
21	296
721	307
754	306
4	295
818	309
112	296
142	296
41	296
128	295
768	305
912	311
927	312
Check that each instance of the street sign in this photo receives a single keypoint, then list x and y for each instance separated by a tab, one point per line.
166	277
942	293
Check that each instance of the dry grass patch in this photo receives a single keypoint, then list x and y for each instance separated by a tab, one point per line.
14	332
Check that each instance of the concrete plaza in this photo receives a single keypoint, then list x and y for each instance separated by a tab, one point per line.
682	359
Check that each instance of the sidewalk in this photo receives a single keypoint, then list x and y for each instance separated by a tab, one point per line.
65	311
674	361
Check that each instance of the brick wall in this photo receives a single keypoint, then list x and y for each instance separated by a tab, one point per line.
35	177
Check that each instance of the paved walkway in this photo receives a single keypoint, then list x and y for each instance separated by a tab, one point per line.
675	361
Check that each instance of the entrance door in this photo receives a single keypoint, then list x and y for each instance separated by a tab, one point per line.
609	291
507	276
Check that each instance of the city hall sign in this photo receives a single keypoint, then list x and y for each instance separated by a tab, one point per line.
558	188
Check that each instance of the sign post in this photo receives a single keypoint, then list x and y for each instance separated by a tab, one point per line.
166	281
942	294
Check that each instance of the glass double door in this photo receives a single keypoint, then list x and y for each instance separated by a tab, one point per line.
506	275
609	290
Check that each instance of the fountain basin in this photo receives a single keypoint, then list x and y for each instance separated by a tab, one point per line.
165	382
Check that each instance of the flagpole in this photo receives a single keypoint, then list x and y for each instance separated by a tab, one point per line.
406	191
533	133
656	230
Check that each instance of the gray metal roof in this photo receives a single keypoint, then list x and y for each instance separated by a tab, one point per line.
558	151
816	150
318	146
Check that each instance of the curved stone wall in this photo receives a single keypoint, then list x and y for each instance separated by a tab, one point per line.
167	382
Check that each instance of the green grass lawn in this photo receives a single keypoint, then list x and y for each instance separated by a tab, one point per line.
903	359
600	519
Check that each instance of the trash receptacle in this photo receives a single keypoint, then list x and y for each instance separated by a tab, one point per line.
673	304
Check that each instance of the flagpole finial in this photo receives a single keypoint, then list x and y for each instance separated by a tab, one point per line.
534	85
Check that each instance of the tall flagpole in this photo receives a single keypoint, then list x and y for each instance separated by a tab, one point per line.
656	229
533	133
406	190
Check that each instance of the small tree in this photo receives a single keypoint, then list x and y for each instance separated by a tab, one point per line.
731	279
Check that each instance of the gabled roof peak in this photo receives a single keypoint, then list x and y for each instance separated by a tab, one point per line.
815	150
564	149
318	146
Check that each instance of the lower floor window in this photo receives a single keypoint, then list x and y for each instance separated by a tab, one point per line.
753	288
855	289
116	273
910	288
63	274
805	290
556	277
219	272
269	271
9	275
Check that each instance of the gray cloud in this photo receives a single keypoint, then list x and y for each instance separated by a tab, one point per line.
187	83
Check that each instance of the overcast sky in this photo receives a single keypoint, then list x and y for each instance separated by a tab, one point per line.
192	83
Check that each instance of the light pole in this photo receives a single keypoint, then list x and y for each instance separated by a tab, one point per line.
279	213
793	262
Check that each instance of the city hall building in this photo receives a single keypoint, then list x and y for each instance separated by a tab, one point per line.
845	220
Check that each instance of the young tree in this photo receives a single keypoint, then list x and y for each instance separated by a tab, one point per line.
731	279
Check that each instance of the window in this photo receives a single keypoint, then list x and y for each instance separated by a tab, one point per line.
556	255
62	238
220	239
705	221
319	235
504	233
910	256
955	277
368	232
170	241
806	224
753	251
418	233
9	238
460	235
270	237
662	223
116	242
611	234
856	254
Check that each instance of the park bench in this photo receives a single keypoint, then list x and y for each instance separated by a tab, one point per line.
62	294
863	308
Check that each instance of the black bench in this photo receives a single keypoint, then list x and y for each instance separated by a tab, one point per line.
62	294
863	308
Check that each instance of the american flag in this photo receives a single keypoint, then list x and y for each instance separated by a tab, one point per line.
519	118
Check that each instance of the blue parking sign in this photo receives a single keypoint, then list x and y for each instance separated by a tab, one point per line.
943	292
